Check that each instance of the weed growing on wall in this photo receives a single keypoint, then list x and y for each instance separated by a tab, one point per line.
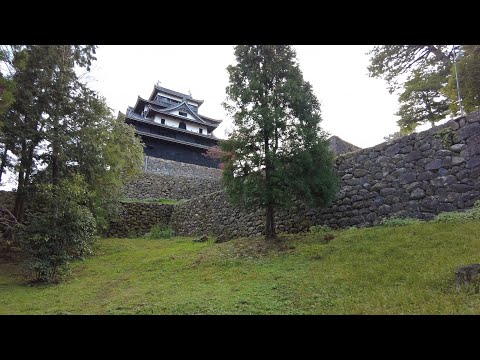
159	232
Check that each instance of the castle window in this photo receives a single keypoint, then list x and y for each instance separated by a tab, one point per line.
200	131
162	121
182	125
182	113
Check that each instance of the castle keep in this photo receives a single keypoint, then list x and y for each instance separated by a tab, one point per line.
171	127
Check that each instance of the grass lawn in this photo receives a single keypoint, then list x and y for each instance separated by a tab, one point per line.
383	270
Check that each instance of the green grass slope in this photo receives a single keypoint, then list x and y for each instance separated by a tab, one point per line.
384	270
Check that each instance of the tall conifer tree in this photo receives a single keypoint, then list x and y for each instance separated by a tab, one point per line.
277	152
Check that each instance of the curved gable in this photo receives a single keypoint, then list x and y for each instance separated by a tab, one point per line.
183	106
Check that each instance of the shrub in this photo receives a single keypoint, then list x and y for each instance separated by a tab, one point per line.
159	232
316	229
460	216
396	221
63	230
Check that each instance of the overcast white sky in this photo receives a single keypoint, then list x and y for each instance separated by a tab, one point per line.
355	107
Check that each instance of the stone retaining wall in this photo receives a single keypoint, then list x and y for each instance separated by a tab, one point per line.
173	180
213	214
175	168
139	218
170	187
418	175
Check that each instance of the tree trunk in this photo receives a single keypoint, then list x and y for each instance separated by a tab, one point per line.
440	56
20	204
19	208
270	224
55	158
269	220
23	180
4	162
20	193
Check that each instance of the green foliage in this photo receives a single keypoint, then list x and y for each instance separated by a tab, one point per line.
318	229
395	62
422	101
7	88
57	127
397	221
8	59
459	216
468	67
444	217
62	230
108	155
277	152
420	73
39	121
446	135
160	232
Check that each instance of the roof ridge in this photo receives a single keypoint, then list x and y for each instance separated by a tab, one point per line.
176	93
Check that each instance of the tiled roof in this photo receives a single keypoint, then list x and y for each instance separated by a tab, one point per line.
166	138
174	93
134	116
210	119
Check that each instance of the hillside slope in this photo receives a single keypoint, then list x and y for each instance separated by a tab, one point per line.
383	270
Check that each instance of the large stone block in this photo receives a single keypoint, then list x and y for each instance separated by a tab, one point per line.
467	131
408	178
360	172
434	164
426	175
460	188
384	210
457	147
418	193
472	148
387	191
393	149
473	162
413	156
425	146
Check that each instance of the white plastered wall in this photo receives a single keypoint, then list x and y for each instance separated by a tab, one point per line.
174	122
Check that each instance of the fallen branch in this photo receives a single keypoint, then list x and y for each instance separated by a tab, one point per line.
7	219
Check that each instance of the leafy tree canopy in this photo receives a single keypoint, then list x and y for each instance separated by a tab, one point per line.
57	127
468	68
419	73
